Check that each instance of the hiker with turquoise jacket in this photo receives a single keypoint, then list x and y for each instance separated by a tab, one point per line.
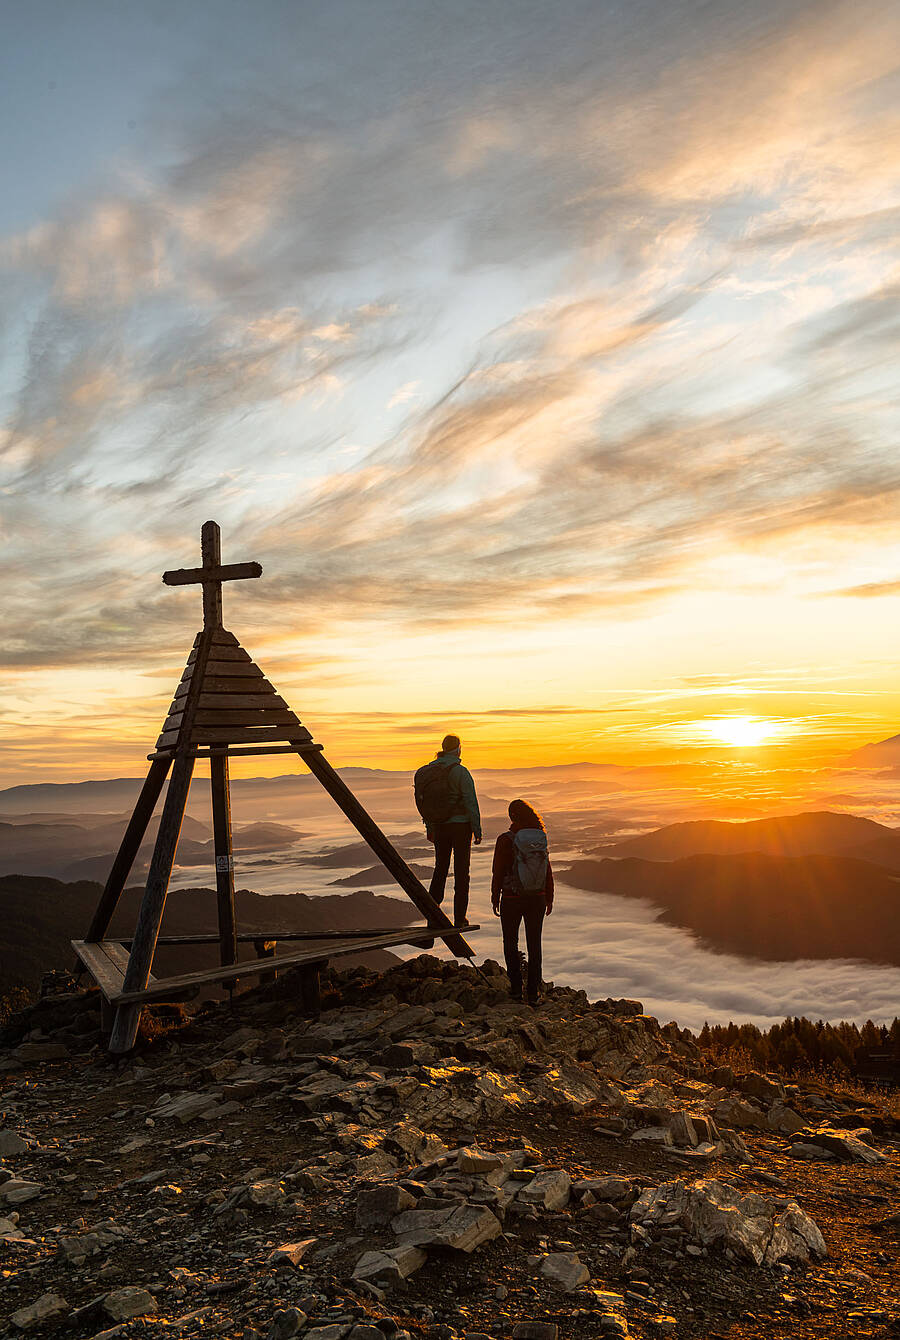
446	800
522	890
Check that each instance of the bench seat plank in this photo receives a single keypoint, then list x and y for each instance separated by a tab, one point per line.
415	931
107	962
167	986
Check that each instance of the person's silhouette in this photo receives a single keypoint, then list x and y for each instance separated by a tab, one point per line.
446	800
522	890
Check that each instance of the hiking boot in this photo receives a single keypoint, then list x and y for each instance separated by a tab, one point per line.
515	993
535	1001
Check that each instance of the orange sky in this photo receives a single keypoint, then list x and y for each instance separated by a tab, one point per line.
567	693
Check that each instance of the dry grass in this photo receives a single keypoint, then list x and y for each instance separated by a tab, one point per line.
853	1090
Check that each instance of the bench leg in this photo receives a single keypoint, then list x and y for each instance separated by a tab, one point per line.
265	949
309	989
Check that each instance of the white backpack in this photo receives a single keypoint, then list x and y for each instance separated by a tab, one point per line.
530	861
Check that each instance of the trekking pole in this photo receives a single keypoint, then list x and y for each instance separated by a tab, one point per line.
473	964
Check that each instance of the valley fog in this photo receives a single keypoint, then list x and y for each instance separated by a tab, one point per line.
602	943
290	838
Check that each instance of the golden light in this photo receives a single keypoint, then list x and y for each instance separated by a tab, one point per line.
743	732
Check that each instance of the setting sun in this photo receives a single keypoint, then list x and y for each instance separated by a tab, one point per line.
743	732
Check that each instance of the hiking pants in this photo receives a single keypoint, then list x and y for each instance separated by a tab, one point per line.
514	909
452	840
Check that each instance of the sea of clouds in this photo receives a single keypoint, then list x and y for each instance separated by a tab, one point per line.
613	946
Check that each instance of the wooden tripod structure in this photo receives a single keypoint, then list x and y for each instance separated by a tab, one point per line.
224	707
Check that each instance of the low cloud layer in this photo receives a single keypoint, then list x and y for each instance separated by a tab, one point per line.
603	944
609	947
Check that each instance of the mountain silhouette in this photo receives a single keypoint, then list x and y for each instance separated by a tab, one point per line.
882	754
41	916
769	907
817	833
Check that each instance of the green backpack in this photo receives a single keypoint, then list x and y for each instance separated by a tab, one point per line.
436	800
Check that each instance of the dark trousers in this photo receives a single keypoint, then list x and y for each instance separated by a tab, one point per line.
514	909
452	840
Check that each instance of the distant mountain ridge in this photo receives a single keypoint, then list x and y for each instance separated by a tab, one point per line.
78	847
883	754
120	793
769	907
807	834
40	916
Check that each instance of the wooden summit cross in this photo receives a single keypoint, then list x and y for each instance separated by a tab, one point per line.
224	707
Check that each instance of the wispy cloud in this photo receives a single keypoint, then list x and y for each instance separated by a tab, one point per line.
870	590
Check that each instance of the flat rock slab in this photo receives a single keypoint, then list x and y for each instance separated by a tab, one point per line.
549	1189
478	1161
266	1194
286	1323
17	1191
123	1304
603	1188
77	1249
184	1107
741	1114
376	1206
390	1267
784	1119
464	1228
565	1270
810	1153
844	1145
655	1135
290	1253
47	1306
702	1154
11	1143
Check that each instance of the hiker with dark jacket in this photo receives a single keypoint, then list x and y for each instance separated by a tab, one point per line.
522	890
446	800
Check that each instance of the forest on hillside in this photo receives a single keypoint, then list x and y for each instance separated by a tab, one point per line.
798	1046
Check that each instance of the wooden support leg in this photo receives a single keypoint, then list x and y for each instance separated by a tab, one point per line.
309	988
128	849
107	1016
221	811
390	858
143	945
265	949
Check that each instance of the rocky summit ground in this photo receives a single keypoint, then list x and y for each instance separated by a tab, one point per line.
429	1159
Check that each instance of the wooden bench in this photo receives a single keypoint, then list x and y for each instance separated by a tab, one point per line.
251	937
107	960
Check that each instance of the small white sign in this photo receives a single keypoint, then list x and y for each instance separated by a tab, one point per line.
224	863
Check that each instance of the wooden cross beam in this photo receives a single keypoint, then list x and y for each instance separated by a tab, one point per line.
213	573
